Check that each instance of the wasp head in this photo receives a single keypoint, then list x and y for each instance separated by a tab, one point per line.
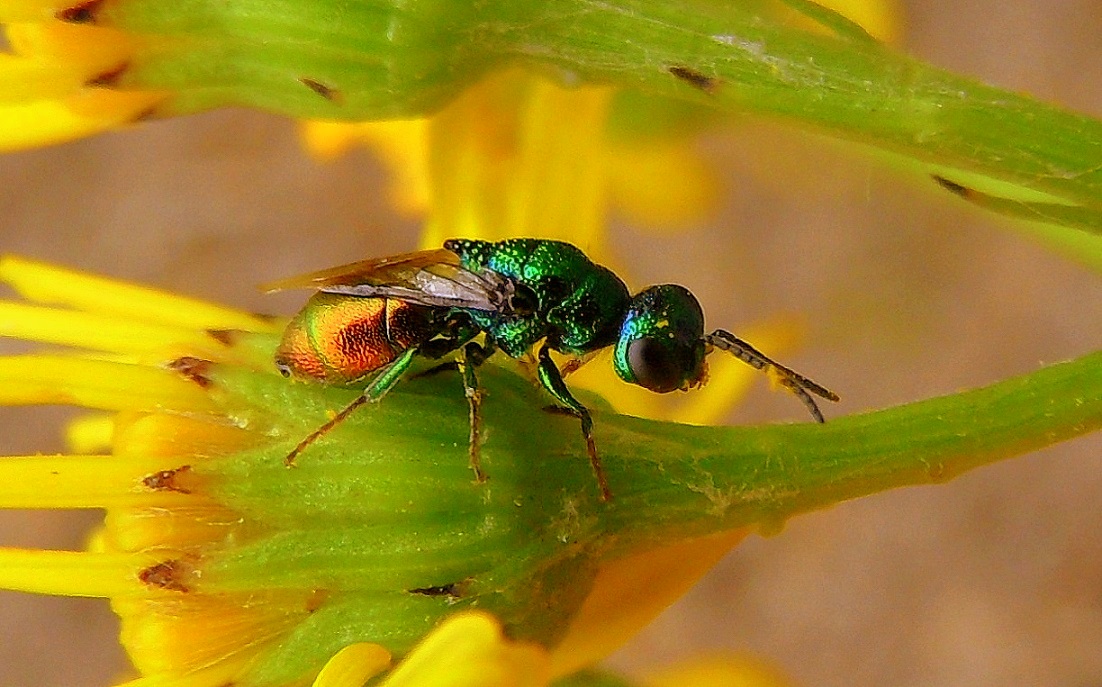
661	345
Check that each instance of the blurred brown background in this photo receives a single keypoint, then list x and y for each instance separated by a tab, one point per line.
994	579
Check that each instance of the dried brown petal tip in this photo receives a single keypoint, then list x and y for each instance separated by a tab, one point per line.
195	369
167	480
166	575
84	13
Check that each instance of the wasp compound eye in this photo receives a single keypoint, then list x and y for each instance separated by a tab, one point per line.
655	365
660	346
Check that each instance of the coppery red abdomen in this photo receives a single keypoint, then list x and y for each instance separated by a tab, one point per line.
338	340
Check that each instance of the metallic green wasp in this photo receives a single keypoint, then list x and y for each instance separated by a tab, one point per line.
524	295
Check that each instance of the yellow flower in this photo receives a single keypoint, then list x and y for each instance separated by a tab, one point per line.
201	512
55	80
192	384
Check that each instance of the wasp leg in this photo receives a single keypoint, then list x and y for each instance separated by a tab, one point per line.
552	380
383	382
470	357
788	378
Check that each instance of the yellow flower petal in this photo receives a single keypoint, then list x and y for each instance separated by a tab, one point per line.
883	19
518	156
15	11
719	671
46	122
100	331
23	79
353	665
512	156
468	650
178	435
219	675
327	141
47	91
400	143
49	284
106	385
71	573
629	593
663	185
136	529
89	433
210	646
80	482
89	50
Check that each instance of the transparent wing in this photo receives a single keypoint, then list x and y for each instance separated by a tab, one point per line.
430	277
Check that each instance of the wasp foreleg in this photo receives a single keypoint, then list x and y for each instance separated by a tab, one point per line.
552	380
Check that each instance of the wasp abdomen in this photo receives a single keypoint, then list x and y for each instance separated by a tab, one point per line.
339	340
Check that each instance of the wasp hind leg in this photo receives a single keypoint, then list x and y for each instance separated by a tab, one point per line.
552	380
379	386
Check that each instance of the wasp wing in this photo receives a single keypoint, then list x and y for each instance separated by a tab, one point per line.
430	277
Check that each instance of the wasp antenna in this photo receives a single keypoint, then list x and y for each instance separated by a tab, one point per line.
788	378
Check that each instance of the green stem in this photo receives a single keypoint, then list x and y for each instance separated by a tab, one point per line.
374	59
728	57
737	476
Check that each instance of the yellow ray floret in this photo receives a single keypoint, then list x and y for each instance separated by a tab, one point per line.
517	156
45	122
401	143
719	671
82	482
134	529
72	573
353	665
171	435
469	650
101	384
221	674
12	11
883	19
630	592
218	675
64	53
53	285
99	332
49	80
219	634
90	433
26	80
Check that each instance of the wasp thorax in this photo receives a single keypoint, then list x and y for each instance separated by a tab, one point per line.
661	344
